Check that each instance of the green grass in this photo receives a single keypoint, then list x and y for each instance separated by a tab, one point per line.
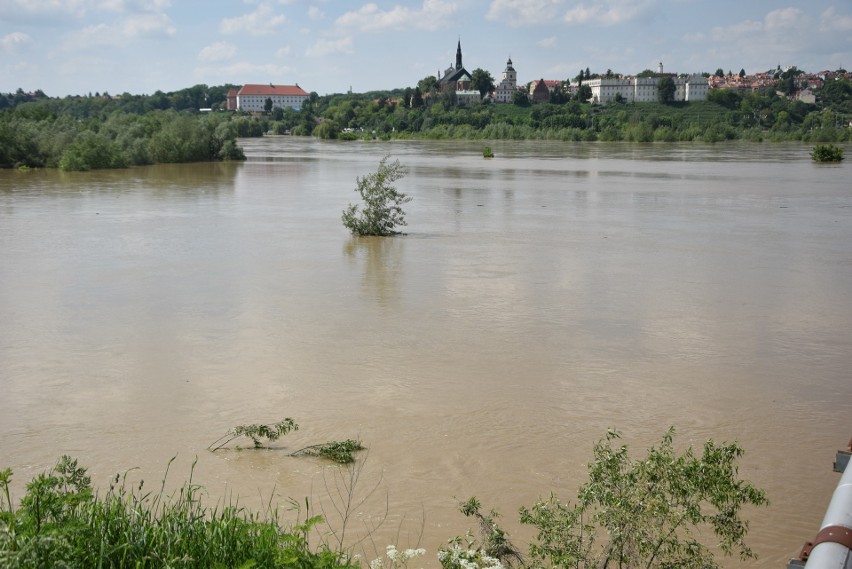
61	522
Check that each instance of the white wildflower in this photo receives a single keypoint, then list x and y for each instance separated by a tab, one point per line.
392	553
376	564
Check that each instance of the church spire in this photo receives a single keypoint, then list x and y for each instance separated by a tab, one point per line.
458	56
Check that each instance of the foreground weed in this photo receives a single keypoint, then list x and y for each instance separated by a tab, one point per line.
62	523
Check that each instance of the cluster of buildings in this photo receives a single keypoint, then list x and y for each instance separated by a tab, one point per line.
629	89
604	90
804	84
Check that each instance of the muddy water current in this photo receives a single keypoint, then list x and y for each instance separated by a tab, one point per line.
537	299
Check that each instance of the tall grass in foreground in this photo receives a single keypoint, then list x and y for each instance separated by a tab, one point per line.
62	523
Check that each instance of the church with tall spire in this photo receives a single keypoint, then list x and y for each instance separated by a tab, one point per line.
455	78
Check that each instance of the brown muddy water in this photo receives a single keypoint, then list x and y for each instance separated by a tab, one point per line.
538	299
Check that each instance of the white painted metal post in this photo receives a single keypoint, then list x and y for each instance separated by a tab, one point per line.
838	522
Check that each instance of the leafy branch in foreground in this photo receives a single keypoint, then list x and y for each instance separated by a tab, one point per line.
255	433
652	510
338	451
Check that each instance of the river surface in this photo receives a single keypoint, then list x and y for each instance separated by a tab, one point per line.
537	299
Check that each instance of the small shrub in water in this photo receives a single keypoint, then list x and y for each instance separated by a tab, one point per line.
338	451
827	153
382	210
255	433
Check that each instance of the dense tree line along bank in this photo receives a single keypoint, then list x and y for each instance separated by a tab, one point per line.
102	131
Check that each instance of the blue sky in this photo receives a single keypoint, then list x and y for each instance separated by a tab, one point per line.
139	46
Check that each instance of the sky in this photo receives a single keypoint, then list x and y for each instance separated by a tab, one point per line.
71	47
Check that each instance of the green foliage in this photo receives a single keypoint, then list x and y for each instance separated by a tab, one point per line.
62	523
584	93
487	152
521	98
493	540
47	134
827	153
92	151
382	209
650	512
256	433
666	90
482	81
337	451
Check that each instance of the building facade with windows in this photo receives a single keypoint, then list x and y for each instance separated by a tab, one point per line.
252	98
644	89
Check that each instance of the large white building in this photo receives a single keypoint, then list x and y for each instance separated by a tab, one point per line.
507	87
644	89
252	98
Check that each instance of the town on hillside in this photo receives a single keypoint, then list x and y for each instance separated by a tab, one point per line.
467	88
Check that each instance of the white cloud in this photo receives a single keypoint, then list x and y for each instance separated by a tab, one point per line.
434	14
24	8
830	20
775	24
781	37
52	9
120	33
219	51
697	37
147	25
782	19
524	12
607	12
283	52
315	13
14	39
547	42
263	21
243	72
329	47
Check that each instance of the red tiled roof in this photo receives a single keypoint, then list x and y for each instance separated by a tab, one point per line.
290	90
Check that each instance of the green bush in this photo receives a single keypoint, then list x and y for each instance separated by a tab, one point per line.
91	151
647	513
382	209
827	153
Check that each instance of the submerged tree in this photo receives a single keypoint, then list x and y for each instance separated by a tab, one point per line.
382	210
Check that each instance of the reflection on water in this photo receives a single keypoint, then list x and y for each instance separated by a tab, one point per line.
536	300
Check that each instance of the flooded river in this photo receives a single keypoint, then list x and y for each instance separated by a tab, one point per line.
537	299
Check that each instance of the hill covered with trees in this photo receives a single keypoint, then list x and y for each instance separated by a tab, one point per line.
105	131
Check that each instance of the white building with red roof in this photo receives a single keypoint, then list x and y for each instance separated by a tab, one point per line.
252	98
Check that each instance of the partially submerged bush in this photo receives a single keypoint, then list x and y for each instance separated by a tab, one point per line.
827	153
255	433
382	210
337	451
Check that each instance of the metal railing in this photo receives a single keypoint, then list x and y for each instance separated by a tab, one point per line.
832	547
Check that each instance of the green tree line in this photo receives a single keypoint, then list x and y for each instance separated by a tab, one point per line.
38	134
103	131
725	115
